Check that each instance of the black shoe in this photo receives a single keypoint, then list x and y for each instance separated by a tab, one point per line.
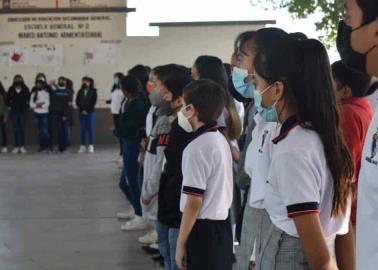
150	251
158	259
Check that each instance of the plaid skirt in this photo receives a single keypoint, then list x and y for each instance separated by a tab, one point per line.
281	251
256	227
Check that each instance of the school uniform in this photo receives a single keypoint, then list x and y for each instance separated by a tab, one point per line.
372	96
367	211
207	173
41	116
257	164
299	183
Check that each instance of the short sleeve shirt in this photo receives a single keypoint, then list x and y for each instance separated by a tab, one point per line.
300	182
207	172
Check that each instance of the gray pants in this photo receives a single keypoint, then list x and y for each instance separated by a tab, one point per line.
256	226
281	251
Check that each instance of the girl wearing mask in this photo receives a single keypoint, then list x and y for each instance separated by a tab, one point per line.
3	119
18	100
40	103
86	100
115	106
132	124
308	188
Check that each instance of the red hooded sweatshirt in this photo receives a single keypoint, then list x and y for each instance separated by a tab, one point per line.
356	115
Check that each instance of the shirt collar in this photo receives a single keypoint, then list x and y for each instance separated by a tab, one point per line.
210	127
287	126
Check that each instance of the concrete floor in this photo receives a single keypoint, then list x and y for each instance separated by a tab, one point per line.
57	213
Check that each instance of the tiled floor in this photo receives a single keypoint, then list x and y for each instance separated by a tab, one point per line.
57	213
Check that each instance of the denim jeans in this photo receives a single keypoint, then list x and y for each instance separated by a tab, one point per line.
18	123
42	122
61	123
3	132
167	241
87	127
129	183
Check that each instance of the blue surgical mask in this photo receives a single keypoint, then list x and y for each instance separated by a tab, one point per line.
116	81
268	114
243	88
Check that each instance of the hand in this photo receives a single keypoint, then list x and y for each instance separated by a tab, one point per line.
144	143
331	266
180	253
64	118
146	201
39	105
52	82
84	112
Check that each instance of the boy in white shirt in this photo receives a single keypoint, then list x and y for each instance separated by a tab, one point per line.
205	233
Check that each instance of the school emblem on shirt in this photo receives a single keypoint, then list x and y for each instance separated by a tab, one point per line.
263	141
374	149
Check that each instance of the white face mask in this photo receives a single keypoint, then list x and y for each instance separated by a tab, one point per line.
183	121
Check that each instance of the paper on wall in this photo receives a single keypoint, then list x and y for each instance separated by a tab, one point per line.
102	54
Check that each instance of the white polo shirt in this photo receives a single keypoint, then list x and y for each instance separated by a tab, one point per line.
258	159
299	181
367	208
207	172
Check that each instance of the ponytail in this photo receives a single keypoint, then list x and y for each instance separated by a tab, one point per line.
234	128
302	65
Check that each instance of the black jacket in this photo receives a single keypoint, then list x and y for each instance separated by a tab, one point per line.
86	102
18	102
171	180
133	119
60	101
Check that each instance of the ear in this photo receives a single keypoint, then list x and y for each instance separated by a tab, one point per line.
345	92
279	89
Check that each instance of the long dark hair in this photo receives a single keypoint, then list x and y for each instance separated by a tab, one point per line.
212	68
304	69
174	77
119	75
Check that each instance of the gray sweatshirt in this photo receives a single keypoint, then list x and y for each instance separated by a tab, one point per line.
153	164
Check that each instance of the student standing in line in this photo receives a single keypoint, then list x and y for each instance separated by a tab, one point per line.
132	124
61	99
357	44
3	119
356	114
308	188
160	122
86	100
115	107
205	232
70	88
257	149
40	103
18	100
170	81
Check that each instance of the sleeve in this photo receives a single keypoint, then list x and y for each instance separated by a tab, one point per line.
153	182
46	104
93	101
77	101
298	183
195	171
31	102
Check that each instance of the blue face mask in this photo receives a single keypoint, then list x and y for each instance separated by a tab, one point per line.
268	114
244	89
116	81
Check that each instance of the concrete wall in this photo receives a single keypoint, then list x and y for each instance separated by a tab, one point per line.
181	45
